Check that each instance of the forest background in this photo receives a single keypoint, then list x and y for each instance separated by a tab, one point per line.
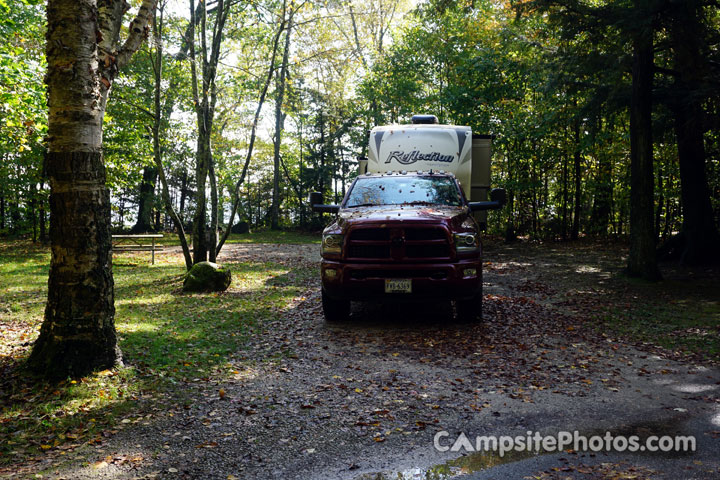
256	104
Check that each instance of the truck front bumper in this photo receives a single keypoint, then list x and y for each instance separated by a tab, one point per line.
361	281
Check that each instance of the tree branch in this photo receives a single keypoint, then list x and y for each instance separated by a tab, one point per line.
139	30
135	106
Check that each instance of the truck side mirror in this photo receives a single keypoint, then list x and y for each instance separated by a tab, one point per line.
315	198
316	204
498	199
498	195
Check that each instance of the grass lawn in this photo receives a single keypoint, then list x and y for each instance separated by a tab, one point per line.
681	315
166	337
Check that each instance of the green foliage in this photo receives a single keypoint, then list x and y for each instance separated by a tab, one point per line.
553	87
23	114
549	78
128	125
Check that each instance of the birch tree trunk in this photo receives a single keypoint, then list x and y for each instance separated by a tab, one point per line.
604	190
78	332
577	207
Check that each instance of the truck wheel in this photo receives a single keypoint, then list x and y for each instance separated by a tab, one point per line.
335	310
469	310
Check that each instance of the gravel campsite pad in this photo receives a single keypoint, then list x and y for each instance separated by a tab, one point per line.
365	399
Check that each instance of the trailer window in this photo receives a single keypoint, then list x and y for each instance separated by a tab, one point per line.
404	191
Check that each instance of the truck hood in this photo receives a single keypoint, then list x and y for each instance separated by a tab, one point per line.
452	217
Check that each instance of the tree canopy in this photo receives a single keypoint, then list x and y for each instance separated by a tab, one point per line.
293	88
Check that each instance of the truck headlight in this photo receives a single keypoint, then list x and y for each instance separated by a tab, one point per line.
332	243
467	242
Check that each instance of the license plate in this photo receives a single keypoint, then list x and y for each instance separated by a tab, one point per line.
398	285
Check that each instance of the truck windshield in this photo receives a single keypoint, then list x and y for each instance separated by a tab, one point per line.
404	191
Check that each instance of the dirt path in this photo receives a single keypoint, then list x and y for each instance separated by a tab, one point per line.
348	401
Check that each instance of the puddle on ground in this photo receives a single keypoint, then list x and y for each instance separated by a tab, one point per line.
474	462
672	427
479	461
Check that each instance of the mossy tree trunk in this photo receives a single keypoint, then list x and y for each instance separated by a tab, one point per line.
83	57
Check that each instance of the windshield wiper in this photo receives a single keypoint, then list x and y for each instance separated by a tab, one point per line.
363	205
418	202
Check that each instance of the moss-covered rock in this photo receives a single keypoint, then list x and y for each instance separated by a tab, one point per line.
207	277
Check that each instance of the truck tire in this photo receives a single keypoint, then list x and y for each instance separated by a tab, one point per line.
335	310
469	310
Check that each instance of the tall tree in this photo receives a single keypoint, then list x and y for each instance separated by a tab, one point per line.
693	85
144	223
160	116
279	122
205	99
641	260
577	155
267	80
83	56
603	186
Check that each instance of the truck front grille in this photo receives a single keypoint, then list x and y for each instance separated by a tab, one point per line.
363	274
419	234
378	234
369	251
406	243
427	251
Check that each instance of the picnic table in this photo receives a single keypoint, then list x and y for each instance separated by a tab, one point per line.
134	243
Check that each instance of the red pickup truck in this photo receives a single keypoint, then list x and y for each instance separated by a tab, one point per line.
403	236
